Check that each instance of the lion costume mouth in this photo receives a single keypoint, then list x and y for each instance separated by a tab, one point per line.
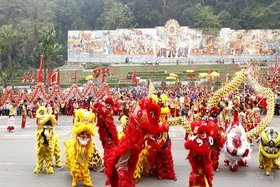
270	143
83	138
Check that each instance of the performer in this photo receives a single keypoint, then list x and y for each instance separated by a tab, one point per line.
62	108
235	110
75	107
91	104
49	109
249	117
256	114
107	130
187	106
32	110
172	104
69	108
11	119
80	149
227	115
23	113
56	109
120	162
39	103
242	118
177	106
237	150
199	146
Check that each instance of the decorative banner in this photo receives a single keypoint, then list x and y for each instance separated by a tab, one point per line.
39	92
96	72
191	76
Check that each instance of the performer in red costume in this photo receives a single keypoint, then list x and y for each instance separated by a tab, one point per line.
120	163
218	135
56	109
158	146
23	113
199	145
105	123
108	134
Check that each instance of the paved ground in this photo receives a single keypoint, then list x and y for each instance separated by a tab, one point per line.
18	160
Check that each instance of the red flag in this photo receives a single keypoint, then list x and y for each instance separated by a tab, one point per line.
54	78
58	77
40	73
48	80
75	77
134	80
210	77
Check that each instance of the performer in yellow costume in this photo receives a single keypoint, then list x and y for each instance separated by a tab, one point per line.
79	150
47	143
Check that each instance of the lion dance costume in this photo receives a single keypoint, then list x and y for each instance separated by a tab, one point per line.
79	150
199	142
107	130
121	162
269	151
237	149
157	157
47	144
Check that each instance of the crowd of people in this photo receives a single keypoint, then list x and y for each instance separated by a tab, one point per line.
186	101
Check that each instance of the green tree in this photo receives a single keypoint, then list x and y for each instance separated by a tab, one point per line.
261	15
33	15
48	47
246	20
205	19
2	74
8	36
274	14
225	18
115	16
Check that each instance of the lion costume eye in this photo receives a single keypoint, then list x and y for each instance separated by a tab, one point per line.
152	113
202	135
159	135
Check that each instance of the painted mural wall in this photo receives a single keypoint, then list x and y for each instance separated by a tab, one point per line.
172	40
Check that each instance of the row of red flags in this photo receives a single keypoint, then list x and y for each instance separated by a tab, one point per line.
54	78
